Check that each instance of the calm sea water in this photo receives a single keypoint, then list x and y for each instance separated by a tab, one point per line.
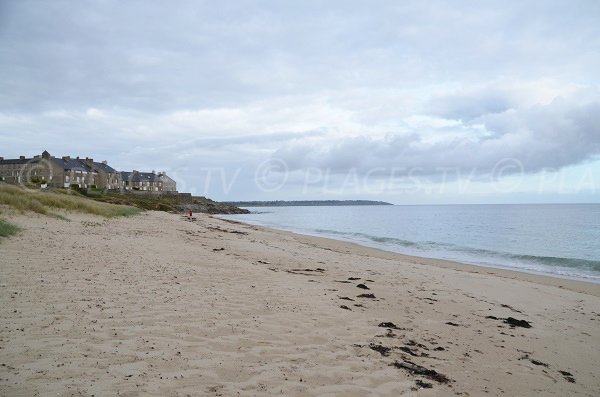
561	240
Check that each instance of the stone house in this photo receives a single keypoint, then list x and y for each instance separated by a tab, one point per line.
10	169
39	169
135	180
147	181
75	172
108	177
169	185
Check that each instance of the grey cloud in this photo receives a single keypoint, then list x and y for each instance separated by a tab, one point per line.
552	136
154	57
253	139
469	105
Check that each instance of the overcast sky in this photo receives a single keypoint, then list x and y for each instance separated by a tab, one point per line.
404	101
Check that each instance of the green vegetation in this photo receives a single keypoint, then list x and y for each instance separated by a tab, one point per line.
143	201
98	202
36	180
8	229
203	204
43	202
168	203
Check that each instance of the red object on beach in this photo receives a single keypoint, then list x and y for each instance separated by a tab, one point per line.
190	213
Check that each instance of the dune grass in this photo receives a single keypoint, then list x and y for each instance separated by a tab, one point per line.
8	229
24	200
147	202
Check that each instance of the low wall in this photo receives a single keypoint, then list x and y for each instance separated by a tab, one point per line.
145	192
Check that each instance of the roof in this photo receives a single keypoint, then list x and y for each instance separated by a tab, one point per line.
139	176
16	161
165	176
72	164
105	167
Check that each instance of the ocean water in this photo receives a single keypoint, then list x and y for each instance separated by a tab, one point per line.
555	239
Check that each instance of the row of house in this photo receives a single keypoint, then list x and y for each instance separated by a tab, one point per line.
66	172
148	181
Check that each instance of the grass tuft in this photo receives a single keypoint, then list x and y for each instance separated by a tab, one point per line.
8	229
40	202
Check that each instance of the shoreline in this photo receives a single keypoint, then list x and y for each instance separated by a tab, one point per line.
157	305
572	284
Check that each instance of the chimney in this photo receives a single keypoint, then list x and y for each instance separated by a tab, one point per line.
77	157
104	162
66	158
21	157
154	172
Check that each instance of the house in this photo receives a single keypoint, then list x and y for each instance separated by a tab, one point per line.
10	169
147	181
39	169
108	177
58	172
75	173
144	181
169	185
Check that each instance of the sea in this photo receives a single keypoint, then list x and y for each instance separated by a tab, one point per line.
561	240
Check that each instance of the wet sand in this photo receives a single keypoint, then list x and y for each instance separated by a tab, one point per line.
158	305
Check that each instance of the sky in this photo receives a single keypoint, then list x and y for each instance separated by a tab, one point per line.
411	102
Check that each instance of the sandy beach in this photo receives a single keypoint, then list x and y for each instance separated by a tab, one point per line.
157	305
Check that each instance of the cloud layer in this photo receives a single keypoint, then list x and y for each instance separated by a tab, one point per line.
561	133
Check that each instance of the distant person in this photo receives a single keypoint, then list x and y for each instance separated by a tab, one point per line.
190	214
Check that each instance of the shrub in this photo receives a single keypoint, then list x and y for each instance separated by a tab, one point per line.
8	229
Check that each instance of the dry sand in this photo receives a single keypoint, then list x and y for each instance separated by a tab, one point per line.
156	305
